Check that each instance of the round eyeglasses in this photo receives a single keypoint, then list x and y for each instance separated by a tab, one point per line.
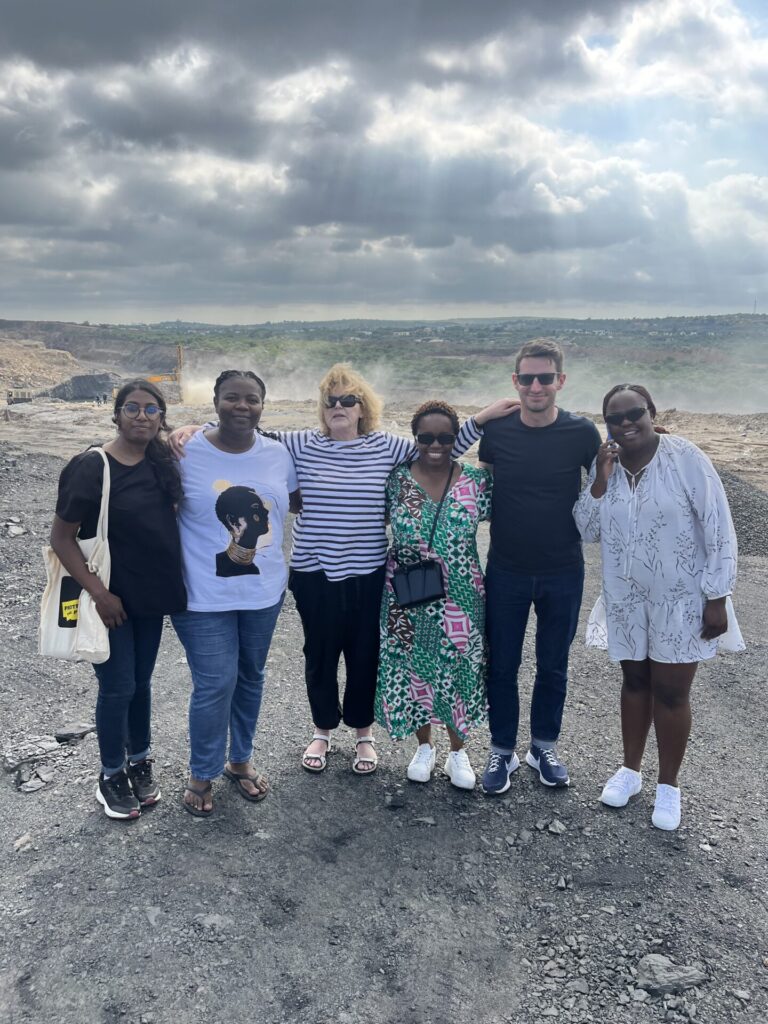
132	410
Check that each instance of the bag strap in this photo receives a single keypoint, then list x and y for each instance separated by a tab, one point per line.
440	506
102	528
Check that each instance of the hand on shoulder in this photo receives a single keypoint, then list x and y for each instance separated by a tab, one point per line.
496	410
179	437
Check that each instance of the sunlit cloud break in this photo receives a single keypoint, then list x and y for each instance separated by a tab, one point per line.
423	159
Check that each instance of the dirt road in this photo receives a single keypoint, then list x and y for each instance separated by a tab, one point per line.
352	900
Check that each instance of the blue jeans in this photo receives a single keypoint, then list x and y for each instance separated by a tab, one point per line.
556	598
124	703
226	653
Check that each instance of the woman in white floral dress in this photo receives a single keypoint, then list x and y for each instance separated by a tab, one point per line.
658	508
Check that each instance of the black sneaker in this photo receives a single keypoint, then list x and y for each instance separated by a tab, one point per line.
144	786
116	796
544	760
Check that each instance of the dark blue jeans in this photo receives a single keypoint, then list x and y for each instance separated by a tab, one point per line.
556	598
124	703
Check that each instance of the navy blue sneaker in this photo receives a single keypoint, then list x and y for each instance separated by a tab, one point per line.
497	772
551	771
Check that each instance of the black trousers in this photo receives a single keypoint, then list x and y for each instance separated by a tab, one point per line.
340	617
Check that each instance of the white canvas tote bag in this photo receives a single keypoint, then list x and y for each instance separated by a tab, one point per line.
70	626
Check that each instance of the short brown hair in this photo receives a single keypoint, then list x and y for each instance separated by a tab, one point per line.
540	348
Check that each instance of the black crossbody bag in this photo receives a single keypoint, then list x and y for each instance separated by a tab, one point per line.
422	581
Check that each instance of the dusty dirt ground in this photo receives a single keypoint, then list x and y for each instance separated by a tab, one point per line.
341	899
738	443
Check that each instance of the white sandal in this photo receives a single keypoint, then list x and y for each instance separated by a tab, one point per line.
316	757
365	760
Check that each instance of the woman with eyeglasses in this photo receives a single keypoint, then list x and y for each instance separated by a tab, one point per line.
340	548
658	508
145	584
432	656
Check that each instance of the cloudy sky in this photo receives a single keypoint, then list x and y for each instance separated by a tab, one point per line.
249	160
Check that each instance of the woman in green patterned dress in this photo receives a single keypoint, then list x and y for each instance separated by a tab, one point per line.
432	656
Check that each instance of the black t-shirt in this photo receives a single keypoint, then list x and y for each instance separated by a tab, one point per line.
143	535
536	481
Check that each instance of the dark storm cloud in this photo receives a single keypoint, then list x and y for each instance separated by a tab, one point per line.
282	34
196	154
212	113
27	138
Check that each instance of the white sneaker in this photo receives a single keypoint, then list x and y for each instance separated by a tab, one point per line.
666	810
459	770
422	763
621	786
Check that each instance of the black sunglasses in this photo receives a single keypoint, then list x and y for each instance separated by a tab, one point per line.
526	379
346	401
427	438
615	419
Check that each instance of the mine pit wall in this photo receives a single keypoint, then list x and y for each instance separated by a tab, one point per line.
97	344
86	387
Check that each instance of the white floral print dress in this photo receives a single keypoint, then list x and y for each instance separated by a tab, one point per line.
668	546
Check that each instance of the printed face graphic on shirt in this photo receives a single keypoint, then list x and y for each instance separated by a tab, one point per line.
246	516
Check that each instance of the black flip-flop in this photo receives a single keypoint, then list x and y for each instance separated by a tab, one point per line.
198	812
239	777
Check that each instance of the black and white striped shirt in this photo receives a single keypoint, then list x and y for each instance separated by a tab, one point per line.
341	529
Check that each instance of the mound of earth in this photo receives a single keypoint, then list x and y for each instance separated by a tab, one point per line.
29	364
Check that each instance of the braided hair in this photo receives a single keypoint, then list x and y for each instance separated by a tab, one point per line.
227	374
158	452
249	375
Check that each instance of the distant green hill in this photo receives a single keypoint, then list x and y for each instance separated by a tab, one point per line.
702	363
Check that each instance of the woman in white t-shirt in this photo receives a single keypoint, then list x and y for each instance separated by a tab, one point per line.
238	486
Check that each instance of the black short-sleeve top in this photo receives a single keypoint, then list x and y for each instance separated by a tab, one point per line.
143	534
536	481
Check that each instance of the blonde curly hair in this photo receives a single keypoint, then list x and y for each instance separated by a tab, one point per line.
341	379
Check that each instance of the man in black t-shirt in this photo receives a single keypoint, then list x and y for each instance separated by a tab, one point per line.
536	456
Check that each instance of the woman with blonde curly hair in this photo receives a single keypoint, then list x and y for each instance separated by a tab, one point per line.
340	548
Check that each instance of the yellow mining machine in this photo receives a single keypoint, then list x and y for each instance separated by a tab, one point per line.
172	377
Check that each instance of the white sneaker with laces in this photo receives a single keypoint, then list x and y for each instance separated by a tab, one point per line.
620	787
459	770
666	810
422	763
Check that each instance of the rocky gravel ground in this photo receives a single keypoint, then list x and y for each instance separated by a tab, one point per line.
341	899
749	508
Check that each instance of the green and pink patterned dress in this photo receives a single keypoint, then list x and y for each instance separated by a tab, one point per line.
432	657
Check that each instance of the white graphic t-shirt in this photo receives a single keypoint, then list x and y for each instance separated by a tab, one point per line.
231	524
